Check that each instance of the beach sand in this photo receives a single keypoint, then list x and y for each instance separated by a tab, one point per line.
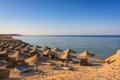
51	72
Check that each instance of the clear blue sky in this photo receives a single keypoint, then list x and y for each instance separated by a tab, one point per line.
58	17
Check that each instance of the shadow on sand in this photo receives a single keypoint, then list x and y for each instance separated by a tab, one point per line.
31	73
12	79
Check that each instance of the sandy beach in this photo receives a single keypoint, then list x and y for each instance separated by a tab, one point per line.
109	70
105	72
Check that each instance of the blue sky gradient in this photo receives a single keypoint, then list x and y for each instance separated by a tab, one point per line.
60	17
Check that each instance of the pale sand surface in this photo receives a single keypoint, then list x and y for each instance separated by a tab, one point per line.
105	72
49	72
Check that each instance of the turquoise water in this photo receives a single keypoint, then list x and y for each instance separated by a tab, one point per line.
101	46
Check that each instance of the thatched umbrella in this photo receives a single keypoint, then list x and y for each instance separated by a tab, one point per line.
37	46
65	56
11	44
11	47
17	48
26	49
3	52
69	51
28	46
1	44
3	63
56	50
1	48
44	48
34	50
85	54
17	44
14	55
18	56
6	45
48	53
34	60
23	45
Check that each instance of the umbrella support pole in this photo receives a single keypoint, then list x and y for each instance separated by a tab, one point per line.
36	68
49	58
66	63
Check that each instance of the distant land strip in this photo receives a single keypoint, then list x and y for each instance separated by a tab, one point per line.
11	35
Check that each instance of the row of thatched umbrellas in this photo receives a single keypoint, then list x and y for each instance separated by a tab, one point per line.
7	46
46	51
22	51
43	49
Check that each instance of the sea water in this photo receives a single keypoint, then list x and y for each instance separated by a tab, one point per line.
102	46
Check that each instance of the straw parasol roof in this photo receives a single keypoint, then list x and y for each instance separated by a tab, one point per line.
31	46
14	55
25	49
69	51
1	48
28	46
3	52
34	50
17	55
6	45
48	52
56	50
1	44
11	44
35	46
44	48
22	45
64	55
11	47
85	54
3	63
17	48
16	44
32	59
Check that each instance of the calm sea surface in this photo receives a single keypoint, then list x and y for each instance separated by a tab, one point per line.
102	46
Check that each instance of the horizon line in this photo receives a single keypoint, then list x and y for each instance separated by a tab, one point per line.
75	35
17	34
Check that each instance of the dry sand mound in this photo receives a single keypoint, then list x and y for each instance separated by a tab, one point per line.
113	58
